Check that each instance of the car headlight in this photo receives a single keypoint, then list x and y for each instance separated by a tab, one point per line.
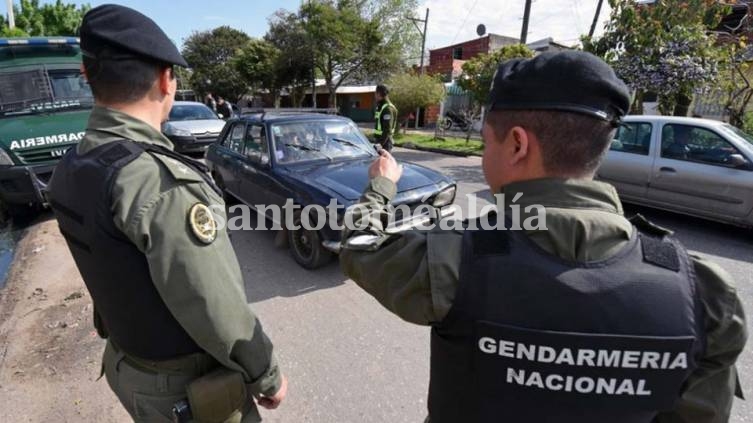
5	159
171	130
445	197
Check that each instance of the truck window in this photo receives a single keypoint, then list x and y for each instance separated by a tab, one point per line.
234	138
695	144
256	140
632	137
40	89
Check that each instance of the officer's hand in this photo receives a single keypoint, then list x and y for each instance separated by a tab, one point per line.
270	403
386	166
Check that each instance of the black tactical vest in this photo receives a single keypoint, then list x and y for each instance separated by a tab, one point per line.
535	338
116	273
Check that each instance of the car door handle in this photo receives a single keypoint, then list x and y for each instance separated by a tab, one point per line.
667	169
249	168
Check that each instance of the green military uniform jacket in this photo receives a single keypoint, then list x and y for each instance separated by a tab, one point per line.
201	284
415	274
386	120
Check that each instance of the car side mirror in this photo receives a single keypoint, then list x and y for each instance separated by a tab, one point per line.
264	159
737	161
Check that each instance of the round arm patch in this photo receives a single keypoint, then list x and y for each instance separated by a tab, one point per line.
202	223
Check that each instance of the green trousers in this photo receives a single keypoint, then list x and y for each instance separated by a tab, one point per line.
148	390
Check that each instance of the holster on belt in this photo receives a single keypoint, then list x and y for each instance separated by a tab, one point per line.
217	396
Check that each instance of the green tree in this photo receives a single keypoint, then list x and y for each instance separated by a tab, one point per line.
295	62
33	19
210	55
478	72
400	39
257	64
409	91
343	41
665	47
183	76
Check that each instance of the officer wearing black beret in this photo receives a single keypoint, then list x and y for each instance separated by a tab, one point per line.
573	314
140	222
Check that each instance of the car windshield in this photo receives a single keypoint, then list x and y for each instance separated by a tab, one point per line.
296	142
740	133
43	90
191	112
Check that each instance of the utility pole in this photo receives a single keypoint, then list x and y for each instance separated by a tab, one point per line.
526	17
425	21
596	19
313	70
11	18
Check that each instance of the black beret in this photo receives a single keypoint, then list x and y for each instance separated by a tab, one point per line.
128	31
571	81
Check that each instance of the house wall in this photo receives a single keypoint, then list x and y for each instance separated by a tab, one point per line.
441	60
359	107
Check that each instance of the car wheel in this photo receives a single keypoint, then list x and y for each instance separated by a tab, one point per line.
447	124
306	247
229	199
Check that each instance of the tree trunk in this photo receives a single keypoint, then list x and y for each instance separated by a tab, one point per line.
333	98
637	108
682	106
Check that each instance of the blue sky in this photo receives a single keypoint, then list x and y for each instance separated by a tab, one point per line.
449	20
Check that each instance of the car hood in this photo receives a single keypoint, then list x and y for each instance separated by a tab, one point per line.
198	127
349	179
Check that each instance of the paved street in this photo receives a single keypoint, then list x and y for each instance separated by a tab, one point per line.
348	360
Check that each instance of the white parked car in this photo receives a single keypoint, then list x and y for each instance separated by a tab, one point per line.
693	166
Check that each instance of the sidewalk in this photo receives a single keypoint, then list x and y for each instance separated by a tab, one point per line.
424	131
49	352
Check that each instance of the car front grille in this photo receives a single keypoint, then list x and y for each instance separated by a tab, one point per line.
206	137
42	155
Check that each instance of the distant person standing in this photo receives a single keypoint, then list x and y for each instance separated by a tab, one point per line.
210	102
224	108
386	118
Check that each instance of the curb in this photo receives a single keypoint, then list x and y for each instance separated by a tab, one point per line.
411	146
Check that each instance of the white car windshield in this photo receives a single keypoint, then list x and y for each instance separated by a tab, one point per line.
191	112
302	141
740	133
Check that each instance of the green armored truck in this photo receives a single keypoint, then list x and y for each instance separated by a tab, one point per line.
44	106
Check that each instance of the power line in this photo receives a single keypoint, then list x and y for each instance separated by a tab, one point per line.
462	25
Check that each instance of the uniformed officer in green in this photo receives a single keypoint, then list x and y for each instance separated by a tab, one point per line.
385	117
595	318
140	221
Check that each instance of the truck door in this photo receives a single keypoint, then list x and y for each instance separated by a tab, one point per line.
629	160
695	173
228	158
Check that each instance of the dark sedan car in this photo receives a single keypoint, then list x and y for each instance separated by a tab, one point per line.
265	160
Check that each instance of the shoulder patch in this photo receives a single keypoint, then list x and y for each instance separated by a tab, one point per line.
202	223
177	169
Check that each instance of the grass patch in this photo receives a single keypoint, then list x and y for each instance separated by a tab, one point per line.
474	147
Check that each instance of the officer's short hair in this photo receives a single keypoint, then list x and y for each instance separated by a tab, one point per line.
572	144
121	81
382	90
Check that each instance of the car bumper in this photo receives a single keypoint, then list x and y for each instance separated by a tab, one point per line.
403	225
185	144
25	185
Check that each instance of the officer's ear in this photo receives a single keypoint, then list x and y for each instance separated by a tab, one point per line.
519	144
166	80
